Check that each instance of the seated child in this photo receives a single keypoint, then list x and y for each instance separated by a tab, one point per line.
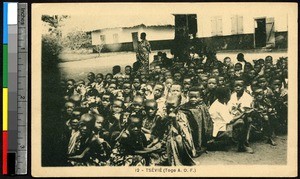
91	78
99	131
74	132
159	97
199	119
224	122
112	122
149	122
130	141
70	88
178	135
89	150
264	113
210	96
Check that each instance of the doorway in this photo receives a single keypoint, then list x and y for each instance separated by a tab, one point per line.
260	32
135	40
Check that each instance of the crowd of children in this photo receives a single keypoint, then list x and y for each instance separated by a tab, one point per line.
173	113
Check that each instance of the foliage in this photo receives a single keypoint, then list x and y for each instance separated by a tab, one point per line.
77	39
55	23
51	47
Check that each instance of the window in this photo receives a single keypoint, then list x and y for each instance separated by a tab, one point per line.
116	38
102	39
236	24
216	26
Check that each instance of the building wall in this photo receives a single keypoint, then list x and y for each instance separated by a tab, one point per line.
218	43
125	35
205	21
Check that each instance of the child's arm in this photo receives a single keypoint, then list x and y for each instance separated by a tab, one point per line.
81	156
146	130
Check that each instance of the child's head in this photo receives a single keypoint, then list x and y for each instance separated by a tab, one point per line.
158	90
172	104
111	87
106	99
70	84
168	74
223	94
127	88
98	122
144	78
252	74
116	69
177	77
137	103
119	96
75	120
128	70
91	95
69	107
257	67
259	94
136	83
227	61
120	81
238	67
108	77
221	80
168	83
187	83
240	57
200	71
248	66
99	77
191	71
269	59
239	86
150	107
148	89
262	82
230	73
117	106
91	77
276	84
215	72
204	80
194	96
157	69
254	85
176	89
212	83
135	125
86	124
163	70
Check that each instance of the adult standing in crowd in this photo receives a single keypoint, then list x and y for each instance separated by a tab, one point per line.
144	49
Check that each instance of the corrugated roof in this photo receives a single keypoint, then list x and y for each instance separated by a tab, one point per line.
138	26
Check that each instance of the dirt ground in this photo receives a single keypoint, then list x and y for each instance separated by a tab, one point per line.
264	154
77	66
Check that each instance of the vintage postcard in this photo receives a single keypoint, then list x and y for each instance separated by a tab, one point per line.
164	89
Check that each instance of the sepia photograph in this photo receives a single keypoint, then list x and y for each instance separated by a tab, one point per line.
164	89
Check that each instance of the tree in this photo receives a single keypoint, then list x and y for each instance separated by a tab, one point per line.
77	39
55	23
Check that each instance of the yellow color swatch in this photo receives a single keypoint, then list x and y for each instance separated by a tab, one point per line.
5	109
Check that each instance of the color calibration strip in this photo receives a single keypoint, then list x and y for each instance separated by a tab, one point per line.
10	87
5	91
